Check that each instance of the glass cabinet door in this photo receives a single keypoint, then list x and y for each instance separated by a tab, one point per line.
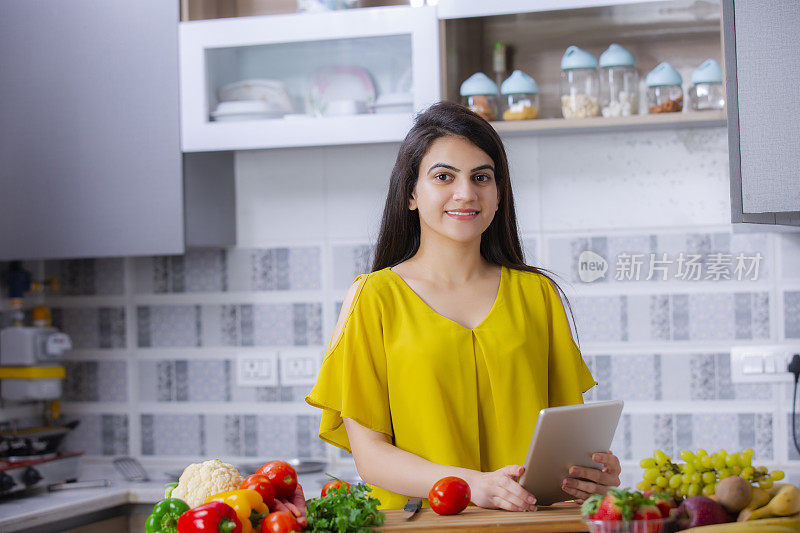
310	79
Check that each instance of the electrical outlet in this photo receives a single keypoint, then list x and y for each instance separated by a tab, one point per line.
300	367
257	369
762	364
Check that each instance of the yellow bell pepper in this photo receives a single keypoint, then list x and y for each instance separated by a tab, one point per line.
246	503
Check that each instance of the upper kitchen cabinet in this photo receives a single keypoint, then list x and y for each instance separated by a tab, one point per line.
353	76
537	33
89	144
763	87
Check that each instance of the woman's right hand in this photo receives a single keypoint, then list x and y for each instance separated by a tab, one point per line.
500	490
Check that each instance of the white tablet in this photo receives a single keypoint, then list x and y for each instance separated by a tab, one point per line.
567	436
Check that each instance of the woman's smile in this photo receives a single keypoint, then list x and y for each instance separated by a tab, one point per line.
463	214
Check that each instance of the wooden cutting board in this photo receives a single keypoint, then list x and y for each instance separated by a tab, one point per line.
557	518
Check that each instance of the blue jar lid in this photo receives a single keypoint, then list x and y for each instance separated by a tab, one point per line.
478	83
519	83
708	72
664	74
575	58
617	56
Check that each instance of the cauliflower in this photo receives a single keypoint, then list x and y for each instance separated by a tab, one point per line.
201	480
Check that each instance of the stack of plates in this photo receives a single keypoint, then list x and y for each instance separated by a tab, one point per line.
255	99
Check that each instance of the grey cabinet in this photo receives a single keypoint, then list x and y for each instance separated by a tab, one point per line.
90	159
762	44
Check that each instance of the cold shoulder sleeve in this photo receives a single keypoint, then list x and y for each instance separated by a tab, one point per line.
352	379
568	375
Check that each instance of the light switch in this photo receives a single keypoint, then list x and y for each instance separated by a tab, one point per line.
752	364
770	365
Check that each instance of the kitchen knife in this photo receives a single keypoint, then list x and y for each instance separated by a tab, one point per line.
411	508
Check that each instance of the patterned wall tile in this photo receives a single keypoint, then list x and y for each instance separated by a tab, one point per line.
349	262
789	244
168	326
666	258
87	277
791	314
92	327
600	318
169	434
95	381
98	434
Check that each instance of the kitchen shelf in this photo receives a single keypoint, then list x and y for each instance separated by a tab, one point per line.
692	119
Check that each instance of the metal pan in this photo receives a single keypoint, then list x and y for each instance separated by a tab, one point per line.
33	441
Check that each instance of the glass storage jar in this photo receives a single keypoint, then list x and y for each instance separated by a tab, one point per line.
479	93
580	89
521	95
707	91
619	83
664	90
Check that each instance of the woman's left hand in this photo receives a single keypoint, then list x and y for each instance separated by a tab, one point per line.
295	505
582	482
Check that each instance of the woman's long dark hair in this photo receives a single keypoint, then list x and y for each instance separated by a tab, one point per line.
399	236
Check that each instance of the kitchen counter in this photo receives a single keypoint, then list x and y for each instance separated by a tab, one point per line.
67	507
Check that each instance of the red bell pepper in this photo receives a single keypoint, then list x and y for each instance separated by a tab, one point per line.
213	517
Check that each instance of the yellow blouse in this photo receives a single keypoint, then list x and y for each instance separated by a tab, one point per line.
452	395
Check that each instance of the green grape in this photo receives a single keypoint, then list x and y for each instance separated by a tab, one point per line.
660	457
643	486
650	475
675	481
670	492
732	460
748	452
701	452
689	468
687	456
722	453
686	479
724	472
648	463
694	490
746	460
709	477
719	462
748	472
777	475
765	484
697	478
708	490
683	489
761	469
661	481
707	462
736	470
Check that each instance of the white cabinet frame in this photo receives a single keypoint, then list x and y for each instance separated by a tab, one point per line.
201	134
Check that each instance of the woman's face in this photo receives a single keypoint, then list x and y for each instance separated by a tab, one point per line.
456	193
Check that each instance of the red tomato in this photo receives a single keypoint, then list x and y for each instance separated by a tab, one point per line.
280	522
334	483
282	477
262	486
449	495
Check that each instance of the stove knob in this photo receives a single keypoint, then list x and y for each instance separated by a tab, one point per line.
30	476
6	482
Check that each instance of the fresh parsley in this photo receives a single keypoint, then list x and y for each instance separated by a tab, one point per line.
344	510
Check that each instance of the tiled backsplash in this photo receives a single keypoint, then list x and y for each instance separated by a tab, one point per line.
158	339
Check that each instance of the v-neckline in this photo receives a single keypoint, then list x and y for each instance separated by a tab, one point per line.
460	325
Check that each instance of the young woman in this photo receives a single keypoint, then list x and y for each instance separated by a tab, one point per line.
444	354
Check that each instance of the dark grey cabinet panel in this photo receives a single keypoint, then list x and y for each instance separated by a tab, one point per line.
90	160
762	45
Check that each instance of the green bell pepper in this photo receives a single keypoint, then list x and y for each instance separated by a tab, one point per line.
164	518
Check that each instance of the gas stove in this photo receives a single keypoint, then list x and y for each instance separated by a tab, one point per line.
28	472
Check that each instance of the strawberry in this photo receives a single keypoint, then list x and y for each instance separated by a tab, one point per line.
662	501
646	512
615	506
